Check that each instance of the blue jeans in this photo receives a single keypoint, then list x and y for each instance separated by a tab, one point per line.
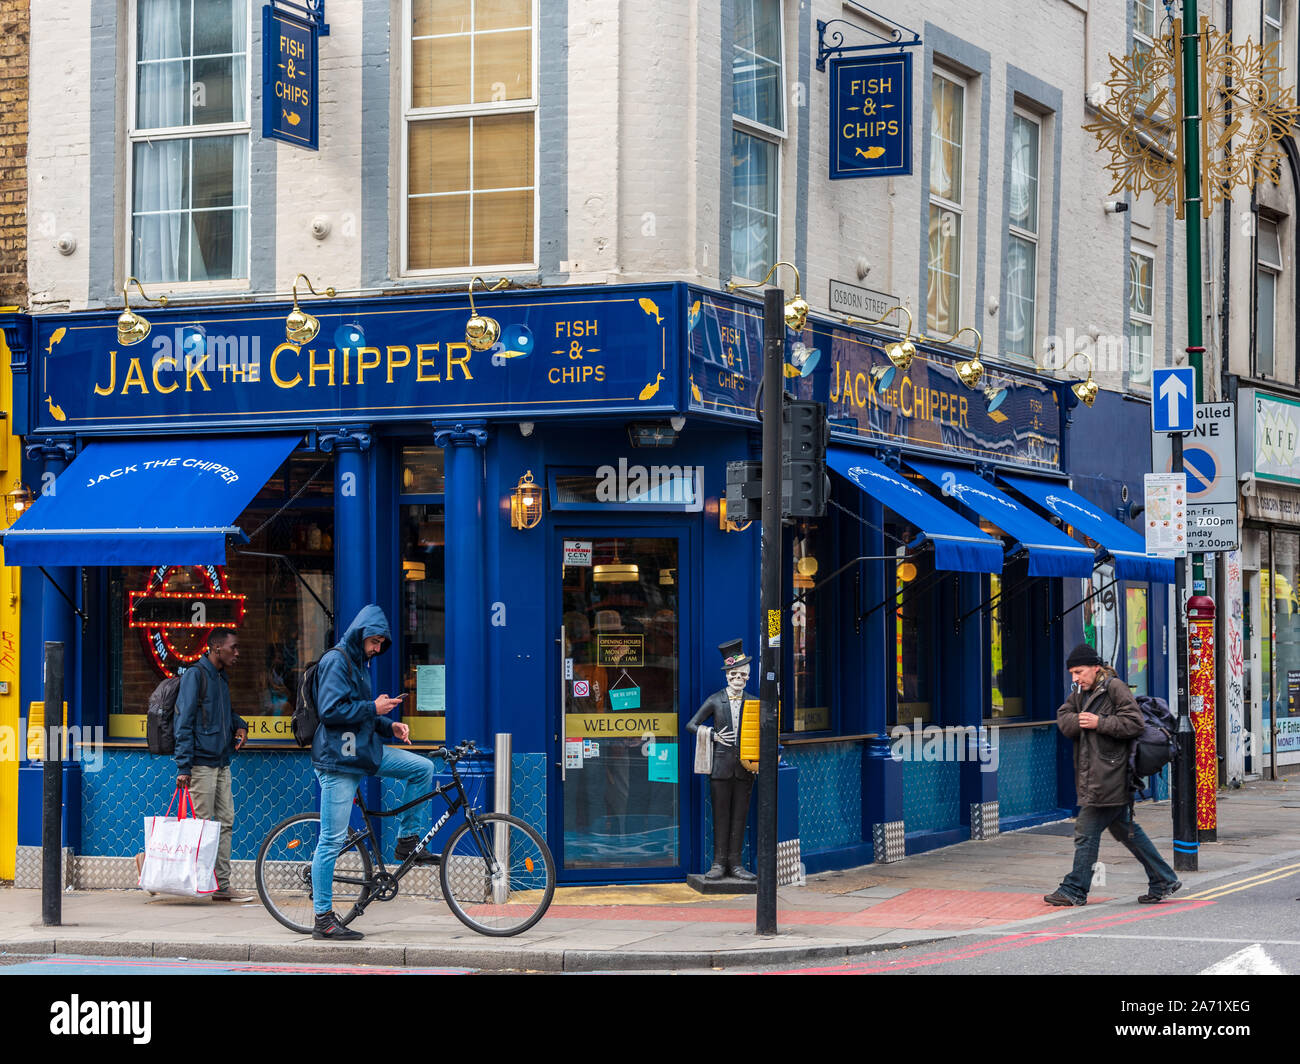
1092	821
337	789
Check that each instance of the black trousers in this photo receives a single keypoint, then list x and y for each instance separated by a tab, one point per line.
730	812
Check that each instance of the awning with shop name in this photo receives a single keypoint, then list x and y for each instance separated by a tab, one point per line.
1050	551
1126	548
161	501
957	543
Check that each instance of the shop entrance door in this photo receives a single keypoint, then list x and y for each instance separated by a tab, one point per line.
620	759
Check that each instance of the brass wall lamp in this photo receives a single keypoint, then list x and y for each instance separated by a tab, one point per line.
900	352
131	327
970	371
796	309
481	332
1085	390
300	327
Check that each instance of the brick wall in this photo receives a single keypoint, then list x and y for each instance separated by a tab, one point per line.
14	32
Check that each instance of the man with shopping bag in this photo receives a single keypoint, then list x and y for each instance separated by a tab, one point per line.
208	732
180	851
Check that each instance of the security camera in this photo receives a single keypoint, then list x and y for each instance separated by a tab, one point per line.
1115	206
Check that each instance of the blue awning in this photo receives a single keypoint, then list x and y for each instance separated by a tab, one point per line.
147	502
957	543
1051	552
1127	549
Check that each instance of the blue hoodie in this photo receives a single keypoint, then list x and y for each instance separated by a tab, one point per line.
351	732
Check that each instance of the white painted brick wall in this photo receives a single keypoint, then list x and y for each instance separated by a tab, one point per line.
648	134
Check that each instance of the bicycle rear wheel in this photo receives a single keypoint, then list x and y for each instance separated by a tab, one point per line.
497	875
284	874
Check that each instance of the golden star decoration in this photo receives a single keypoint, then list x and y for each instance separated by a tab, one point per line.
1245	113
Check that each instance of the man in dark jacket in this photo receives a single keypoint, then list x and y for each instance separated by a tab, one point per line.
1101	717
208	732
349	745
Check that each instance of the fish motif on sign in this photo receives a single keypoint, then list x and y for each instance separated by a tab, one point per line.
693	316
292	119
55	337
648	305
695	390
650	389
56	411
874	152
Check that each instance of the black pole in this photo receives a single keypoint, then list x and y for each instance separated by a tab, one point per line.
52	790
1183	775
769	687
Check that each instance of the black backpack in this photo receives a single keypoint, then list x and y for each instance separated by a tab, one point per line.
160	721
1154	747
306	718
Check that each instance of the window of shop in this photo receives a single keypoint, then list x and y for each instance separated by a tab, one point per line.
1022	246
914	635
274	592
424	600
1272	29
1144	31
1141	314
470	176
811	621
947	157
1268	252
189	132
757	79
1282	598
1137	672
1008	624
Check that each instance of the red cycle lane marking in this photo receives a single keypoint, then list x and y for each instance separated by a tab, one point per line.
1001	945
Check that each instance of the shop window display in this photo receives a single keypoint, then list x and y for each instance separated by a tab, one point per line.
161	617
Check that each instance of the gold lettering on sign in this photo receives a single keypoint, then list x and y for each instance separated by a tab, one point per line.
280	382
394	364
193	368
164	362
422	363
314	367
463	363
135	376
112	376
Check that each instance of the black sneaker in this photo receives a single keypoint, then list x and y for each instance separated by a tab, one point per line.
406	846
1155	897
1057	898
329	926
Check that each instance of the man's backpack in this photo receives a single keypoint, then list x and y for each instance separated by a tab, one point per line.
306	717
160	720
1154	747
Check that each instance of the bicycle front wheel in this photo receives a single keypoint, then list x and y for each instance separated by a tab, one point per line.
497	875
284	880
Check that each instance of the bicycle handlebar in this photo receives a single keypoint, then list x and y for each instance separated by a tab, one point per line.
455	753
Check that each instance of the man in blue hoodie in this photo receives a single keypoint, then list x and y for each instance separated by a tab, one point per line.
348	746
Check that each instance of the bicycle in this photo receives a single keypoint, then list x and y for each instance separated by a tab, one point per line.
497	873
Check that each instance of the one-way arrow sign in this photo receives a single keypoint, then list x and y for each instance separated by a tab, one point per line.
1173	405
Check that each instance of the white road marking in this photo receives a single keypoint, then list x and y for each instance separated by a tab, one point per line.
1249	961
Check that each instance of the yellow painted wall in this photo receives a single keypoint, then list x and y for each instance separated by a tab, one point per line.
10	746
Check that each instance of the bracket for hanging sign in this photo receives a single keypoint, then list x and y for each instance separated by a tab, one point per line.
835	44
312	11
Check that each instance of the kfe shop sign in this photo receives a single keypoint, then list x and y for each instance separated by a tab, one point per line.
871	116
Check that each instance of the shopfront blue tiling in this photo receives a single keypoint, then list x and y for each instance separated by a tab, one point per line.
931	796
1026	769
830	794
528	790
133	784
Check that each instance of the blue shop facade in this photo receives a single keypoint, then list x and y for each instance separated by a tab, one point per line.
544	524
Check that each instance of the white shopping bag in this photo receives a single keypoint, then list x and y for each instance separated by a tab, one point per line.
180	852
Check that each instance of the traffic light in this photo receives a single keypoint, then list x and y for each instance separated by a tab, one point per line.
744	491
804	436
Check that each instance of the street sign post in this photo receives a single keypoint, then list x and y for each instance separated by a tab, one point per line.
1173	400
1210	462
